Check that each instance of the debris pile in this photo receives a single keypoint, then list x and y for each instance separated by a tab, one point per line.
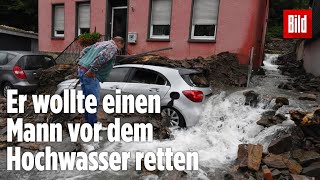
294	153
301	81
221	70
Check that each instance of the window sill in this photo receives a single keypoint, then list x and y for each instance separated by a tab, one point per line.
57	38
157	40
202	40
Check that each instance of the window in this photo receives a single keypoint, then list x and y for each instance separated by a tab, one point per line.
3	58
148	77
35	62
204	19
196	80
58	20
160	19
83	18
118	75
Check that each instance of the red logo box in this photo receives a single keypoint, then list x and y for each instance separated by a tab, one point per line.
297	24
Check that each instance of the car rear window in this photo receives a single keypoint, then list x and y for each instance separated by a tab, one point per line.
196	80
35	62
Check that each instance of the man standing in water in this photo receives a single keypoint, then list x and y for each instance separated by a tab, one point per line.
95	65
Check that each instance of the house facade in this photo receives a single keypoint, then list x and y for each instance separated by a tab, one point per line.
191	27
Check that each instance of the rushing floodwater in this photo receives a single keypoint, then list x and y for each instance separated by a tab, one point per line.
225	124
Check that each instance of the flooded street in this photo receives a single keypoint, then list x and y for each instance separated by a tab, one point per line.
226	122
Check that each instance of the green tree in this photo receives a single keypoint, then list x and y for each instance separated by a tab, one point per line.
19	13
275	23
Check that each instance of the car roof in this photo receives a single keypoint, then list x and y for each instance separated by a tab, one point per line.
22	53
181	71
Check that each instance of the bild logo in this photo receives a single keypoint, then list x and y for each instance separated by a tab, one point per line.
297	24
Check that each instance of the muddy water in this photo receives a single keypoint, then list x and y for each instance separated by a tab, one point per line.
225	123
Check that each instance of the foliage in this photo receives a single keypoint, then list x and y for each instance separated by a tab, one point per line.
88	39
21	14
275	22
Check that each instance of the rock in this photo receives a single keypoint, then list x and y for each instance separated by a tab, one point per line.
285	86
252	98
275	161
174	175
282	100
3	146
275	173
228	176
277	106
300	177
305	118
260	72
65	146
250	156
305	157
269	118
293	166
3	138
308	97
280	145
297	137
313	170
31	146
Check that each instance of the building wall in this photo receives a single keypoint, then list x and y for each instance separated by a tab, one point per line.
311	58
49	44
240	26
15	43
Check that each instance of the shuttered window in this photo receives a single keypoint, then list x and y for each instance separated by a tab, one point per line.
160	19
58	21
204	19
83	18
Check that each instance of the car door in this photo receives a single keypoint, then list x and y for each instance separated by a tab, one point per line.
146	82
116	80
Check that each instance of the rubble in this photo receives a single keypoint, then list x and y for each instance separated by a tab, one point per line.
302	118
269	118
249	156
282	100
313	170
252	98
222	70
308	97
301	80
281	145
305	157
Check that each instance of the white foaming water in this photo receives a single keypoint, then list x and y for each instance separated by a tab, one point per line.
269	62
226	123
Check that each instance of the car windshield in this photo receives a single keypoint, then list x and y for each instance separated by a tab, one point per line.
196	80
35	62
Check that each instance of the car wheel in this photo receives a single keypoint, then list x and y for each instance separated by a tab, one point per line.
5	88
176	118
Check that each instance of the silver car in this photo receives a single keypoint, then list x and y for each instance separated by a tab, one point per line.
137	79
18	70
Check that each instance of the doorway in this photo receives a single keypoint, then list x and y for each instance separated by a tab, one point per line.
117	20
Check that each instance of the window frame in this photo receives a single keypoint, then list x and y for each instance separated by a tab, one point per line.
77	29
54	33
134	70
126	77
192	37
150	26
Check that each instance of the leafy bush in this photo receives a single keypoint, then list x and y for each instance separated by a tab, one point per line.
87	39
